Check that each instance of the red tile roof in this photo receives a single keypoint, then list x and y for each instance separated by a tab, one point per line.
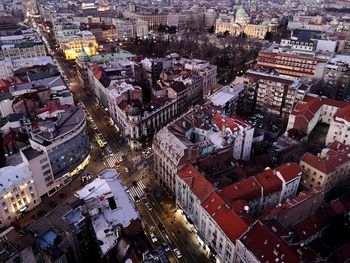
226	218
307	108
342	114
267	247
289	171
269	181
247	189
199	185
335	155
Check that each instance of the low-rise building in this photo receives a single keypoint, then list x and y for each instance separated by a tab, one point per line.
329	168
18	193
229	98
314	109
225	23
259	31
110	209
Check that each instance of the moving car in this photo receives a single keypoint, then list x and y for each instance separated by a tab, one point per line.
148	205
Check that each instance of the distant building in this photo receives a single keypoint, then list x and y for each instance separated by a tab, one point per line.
259	31
225	23
72	45
18	193
25	45
132	28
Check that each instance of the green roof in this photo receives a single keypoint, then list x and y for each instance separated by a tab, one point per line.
122	54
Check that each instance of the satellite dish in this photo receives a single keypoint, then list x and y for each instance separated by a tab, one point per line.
246	208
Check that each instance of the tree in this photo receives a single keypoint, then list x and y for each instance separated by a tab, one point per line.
226	33
2	152
211	30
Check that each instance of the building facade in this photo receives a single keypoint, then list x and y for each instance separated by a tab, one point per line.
18	193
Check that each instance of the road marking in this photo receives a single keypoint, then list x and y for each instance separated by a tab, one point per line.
112	159
137	191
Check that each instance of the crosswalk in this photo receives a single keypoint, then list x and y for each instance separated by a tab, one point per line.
111	160
137	191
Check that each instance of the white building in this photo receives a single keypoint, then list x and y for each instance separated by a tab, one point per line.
194	135
313	109
26	45
339	129
110	208
8	66
59	148
18	193
217	225
228	97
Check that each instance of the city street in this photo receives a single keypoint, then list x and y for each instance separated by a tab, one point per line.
160	216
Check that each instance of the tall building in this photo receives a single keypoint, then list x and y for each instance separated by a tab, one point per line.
59	148
336	79
268	92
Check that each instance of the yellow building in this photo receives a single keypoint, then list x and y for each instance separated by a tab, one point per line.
72	45
329	168
259	31
227	23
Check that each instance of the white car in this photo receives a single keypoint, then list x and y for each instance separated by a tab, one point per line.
153	238
177	253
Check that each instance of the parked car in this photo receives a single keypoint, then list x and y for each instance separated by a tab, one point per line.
52	204
153	238
165	246
161	227
177	253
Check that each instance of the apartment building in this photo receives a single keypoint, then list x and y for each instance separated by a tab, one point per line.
131	28
229	98
18	193
336	77
313	109
328	169
195	135
25	45
213	212
270	93
294	59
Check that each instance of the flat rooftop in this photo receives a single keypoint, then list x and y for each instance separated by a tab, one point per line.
117	208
